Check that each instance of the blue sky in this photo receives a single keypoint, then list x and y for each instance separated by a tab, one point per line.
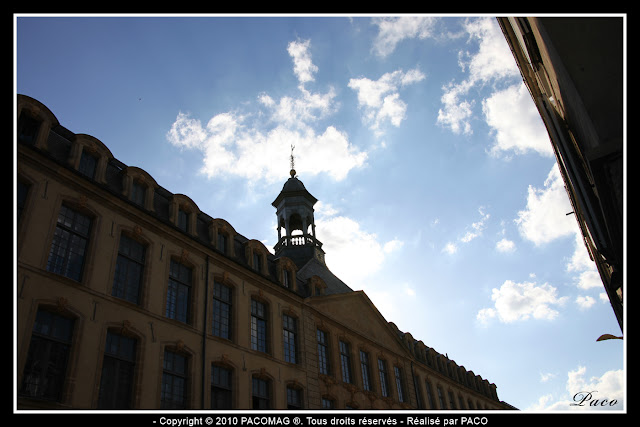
438	191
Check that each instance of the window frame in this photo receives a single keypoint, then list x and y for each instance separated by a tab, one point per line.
290	338
399	383
222	314
220	389
324	365
118	366
179	292
263	397
43	334
346	372
365	370
178	386
127	260
383	377
259	332
70	242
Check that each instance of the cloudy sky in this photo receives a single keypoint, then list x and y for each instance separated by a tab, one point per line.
439	195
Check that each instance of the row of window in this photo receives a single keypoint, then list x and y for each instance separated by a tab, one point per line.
67	257
45	371
387	381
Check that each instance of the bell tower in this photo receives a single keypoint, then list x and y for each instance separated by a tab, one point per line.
296	224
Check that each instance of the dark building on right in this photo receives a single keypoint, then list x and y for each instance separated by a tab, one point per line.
574	70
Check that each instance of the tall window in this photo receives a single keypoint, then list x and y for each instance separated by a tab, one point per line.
323	352
221	310
461	402
179	292
46	367
327	403
127	280
452	400
427	385
416	386
443	403
382	372
116	382
345	362
221	397
289	331
399	383
69	244
366	371
174	381
258	326
21	197
294	398
260	393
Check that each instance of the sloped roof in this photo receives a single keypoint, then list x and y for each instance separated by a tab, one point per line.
315	267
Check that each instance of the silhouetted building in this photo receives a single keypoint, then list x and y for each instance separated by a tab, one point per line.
573	67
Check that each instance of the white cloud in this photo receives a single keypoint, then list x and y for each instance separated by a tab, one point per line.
476	227
546	377
519	133
491	62
352	253
450	248
604	393
380	99
474	231
303	67
505	245
590	279
585	302
521	301
456	113
256	147
392	31
545	217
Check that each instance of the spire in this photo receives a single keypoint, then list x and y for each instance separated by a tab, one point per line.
292	172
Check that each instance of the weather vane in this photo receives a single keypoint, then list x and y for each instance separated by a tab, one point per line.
293	169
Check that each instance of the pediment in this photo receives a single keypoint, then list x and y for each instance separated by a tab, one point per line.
355	311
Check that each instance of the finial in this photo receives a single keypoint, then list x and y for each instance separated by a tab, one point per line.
292	172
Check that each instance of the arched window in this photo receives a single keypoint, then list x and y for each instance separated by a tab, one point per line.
70	242
118	371
45	371
221	386
175	380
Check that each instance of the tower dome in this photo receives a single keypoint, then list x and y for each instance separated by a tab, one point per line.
296	224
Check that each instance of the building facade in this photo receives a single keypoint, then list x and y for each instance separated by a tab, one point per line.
574	70
129	297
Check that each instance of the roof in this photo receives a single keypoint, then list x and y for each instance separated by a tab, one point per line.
315	267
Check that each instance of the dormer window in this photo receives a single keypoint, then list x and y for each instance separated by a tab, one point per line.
222	242
28	128
183	220
137	193
88	164
287	281
257	261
